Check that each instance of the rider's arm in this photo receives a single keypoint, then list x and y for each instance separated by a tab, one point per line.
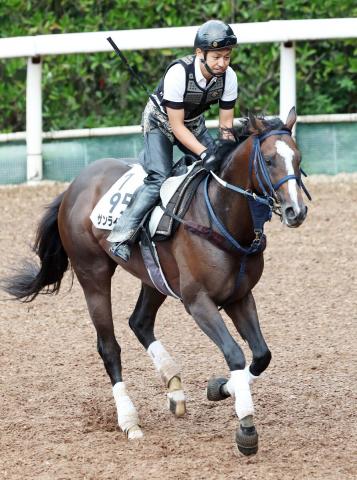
182	133
227	103
226	122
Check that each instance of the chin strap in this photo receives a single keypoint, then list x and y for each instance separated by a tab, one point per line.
204	61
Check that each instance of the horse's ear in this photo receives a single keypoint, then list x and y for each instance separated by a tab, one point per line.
252	121
290	121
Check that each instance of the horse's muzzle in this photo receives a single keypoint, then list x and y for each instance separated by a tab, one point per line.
293	218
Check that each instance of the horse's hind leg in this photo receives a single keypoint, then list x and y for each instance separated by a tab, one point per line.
95	275
142	322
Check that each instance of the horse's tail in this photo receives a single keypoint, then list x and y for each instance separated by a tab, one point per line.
30	279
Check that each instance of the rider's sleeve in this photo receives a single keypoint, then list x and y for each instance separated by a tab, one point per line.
174	87
230	93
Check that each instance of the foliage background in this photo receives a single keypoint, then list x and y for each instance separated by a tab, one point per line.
95	90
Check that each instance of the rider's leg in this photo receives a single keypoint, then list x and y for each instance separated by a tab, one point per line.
158	164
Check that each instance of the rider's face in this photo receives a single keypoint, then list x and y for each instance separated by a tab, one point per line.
217	60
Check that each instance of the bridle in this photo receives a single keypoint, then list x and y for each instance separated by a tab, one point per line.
258	164
261	205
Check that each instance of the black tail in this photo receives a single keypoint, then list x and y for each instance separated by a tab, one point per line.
30	279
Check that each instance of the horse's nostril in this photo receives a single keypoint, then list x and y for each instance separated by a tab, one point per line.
303	214
295	217
290	213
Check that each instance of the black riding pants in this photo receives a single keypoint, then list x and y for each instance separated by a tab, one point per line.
158	154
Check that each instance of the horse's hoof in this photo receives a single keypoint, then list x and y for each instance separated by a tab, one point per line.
177	403
215	390
247	440
134	433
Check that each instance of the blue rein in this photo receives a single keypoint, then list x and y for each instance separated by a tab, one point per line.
261	206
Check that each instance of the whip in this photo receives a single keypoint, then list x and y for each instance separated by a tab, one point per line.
132	72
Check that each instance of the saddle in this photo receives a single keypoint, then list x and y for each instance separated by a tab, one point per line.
175	196
163	225
162	221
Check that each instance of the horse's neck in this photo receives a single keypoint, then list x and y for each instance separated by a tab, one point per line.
232	207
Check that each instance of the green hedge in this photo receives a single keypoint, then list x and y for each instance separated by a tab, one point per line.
94	90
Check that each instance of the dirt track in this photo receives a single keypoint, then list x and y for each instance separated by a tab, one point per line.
58	418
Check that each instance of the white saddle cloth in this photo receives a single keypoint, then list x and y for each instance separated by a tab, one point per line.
115	201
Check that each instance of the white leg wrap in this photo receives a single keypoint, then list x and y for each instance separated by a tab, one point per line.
251	378
127	414
238	387
163	362
176	396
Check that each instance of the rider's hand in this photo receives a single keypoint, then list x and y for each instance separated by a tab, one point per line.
209	159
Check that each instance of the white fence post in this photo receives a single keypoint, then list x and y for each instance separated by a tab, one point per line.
287	79
34	119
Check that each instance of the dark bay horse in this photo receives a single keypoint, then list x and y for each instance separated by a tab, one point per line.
214	260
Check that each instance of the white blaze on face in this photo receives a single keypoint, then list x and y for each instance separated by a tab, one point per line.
288	154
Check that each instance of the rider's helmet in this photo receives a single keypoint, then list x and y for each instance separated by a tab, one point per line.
215	35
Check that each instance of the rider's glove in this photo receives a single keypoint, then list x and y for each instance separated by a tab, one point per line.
209	159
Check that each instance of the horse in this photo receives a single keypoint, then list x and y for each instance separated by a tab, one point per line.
212	262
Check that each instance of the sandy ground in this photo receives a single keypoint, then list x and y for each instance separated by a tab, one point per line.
58	418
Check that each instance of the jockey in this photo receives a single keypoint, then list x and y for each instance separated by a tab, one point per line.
174	116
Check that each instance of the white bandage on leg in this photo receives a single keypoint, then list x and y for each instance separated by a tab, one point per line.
238	387
251	378
176	396
163	362
127	414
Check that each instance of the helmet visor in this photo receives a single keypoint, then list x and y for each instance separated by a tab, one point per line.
220	43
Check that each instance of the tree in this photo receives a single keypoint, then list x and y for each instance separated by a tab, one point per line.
95	90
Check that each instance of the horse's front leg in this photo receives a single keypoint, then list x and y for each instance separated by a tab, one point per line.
245	318
208	318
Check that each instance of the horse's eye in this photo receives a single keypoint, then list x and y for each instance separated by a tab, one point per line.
268	160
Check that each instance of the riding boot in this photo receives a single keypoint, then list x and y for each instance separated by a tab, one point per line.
127	225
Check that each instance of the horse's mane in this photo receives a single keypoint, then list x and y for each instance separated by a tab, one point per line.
247	126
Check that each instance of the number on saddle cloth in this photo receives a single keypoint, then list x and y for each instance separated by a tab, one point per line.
113	203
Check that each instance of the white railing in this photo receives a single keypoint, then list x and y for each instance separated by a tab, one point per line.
136	129
34	47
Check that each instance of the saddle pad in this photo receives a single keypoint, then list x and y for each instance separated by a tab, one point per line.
113	203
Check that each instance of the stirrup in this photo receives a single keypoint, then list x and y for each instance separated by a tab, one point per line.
121	250
123	235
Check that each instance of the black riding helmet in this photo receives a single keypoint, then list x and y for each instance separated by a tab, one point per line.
214	35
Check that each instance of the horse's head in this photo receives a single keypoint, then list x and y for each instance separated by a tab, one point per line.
275	167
